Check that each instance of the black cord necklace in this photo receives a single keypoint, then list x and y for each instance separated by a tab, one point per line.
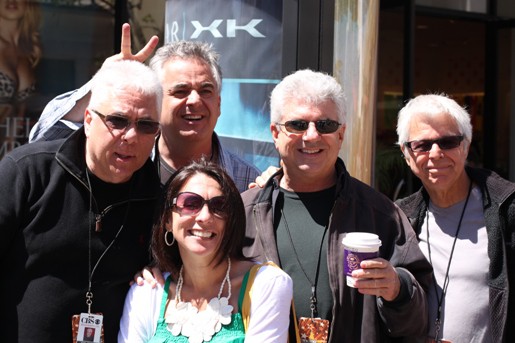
91	270
313	298
438	322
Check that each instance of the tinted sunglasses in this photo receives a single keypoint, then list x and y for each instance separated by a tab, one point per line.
300	126
189	204
118	122
425	145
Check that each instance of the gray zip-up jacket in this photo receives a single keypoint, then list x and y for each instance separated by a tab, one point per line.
357	207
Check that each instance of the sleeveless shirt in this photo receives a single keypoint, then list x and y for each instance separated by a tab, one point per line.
231	333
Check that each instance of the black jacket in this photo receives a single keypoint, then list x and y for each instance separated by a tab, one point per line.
45	220
499	211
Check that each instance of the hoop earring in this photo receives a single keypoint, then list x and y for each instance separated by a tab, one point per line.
166	239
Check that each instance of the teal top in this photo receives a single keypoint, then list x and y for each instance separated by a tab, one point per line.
234	332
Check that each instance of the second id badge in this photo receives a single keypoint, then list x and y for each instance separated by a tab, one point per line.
87	328
313	330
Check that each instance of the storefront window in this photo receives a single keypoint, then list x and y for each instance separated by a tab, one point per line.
449	57
61	45
478	6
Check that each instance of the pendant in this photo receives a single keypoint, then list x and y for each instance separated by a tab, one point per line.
199	326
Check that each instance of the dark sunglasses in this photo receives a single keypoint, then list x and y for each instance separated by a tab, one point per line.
425	145
189	204
118	122
300	126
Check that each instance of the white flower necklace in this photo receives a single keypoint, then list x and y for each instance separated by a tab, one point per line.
185	319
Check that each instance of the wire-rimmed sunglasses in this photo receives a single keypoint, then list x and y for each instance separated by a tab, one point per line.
190	204
425	145
299	126
119	122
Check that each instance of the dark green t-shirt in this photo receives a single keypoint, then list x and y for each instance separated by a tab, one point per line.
306	215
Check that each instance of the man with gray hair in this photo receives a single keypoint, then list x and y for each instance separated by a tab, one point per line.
76	213
300	216
192	79
464	217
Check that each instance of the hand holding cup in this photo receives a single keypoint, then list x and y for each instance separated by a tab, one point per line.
365	270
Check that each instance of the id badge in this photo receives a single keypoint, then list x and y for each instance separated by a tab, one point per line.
313	330
88	328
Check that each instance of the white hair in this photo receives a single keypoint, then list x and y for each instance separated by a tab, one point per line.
432	105
122	75
310	86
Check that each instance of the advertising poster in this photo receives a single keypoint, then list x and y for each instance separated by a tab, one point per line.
248	36
20	54
46	48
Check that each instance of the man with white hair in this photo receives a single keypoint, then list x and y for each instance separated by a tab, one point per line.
191	77
299	217
465	219
76	213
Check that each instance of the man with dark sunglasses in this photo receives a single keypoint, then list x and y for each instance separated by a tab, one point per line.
299	217
425	145
465	221
118	121
191	77
76	213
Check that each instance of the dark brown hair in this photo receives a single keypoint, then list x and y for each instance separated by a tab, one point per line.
168	257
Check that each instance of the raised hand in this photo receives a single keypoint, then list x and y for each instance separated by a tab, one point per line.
126	51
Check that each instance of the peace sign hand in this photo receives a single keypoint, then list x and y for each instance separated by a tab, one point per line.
125	48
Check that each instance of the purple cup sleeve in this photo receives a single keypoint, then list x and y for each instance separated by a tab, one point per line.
352	259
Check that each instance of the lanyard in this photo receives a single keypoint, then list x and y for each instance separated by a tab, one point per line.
91	271
313	298
440	299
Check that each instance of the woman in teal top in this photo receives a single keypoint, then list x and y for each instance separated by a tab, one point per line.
198	241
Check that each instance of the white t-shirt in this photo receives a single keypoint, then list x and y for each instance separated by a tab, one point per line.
269	309
465	317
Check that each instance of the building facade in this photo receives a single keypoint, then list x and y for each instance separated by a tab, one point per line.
464	48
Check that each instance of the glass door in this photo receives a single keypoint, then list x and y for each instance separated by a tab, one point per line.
446	54
504	151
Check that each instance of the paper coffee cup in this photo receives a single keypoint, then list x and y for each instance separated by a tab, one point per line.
357	247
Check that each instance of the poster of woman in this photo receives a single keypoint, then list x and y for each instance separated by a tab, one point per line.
20	53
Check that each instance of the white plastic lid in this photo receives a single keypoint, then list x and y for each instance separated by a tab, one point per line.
361	240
